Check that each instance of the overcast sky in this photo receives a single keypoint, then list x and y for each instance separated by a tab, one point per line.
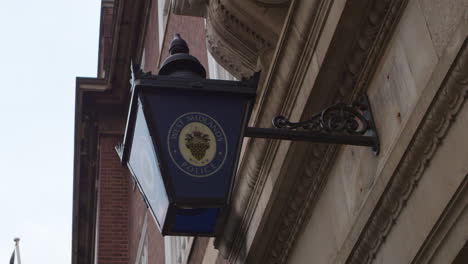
44	45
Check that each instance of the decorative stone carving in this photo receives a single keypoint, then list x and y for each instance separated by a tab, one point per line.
444	108
240	29
241	65
235	30
358	69
370	45
440	235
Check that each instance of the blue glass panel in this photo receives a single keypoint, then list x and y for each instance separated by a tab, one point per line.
145	168
214	120
198	220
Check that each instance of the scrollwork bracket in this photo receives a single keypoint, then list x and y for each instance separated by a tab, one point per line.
350	124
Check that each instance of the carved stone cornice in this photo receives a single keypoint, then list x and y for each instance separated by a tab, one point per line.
238	32
433	128
356	71
371	44
237	35
239	64
438	238
297	188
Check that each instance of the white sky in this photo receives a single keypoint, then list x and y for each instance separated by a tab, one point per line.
44	45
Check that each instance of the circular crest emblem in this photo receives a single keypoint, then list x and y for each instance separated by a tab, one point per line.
197	144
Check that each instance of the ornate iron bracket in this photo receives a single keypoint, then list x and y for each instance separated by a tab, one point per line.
337	124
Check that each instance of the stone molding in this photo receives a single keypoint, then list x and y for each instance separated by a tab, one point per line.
260	154
242	65
233	40
433	128
358	69
381	22
437	239
237	36
370	45
254	169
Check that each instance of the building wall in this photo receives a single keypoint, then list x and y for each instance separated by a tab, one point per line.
105	41
125	224
151	46
423	69
137	211
156	253
142	230
406	82
367	209
113	204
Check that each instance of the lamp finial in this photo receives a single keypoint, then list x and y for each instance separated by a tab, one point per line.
178	45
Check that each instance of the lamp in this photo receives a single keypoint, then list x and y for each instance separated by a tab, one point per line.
183	139
184	133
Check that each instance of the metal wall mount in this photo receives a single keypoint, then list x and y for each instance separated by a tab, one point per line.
349	124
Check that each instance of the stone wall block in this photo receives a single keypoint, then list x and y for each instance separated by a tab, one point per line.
442	18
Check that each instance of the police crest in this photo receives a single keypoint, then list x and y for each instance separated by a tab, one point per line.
197	144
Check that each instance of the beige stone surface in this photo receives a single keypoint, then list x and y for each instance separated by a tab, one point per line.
318	243
455	239
446	171
386	171
211	254
399	97
442	18
415	40
402	76
400	80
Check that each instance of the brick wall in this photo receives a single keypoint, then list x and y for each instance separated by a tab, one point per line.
137	212
152	40
137	209
113	204
155	243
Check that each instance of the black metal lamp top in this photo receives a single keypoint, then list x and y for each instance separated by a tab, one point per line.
178	45
180	62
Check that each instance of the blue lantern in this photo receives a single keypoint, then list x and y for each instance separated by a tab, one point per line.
182	141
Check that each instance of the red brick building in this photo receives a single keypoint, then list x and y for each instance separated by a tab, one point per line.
292	202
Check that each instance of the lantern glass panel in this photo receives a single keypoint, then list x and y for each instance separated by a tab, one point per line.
216	120
198	220
144	166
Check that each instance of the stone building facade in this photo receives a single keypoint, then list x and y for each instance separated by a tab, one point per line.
293	202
